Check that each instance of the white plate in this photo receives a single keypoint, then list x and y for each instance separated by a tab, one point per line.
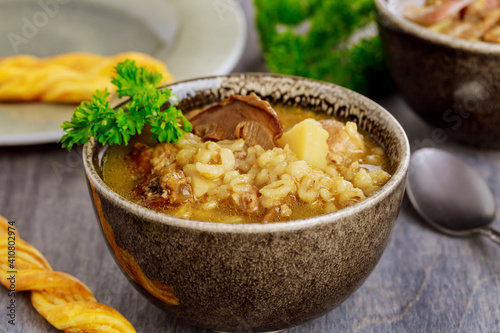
193	37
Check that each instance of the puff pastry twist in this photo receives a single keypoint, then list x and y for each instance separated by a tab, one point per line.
60	298
69	78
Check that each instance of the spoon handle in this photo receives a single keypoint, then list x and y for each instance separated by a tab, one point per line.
491	233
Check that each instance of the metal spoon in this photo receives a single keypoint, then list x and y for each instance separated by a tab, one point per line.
450	195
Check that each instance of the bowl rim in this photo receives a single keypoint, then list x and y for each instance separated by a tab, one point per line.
426	34
397	177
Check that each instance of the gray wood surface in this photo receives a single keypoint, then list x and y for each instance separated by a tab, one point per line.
425	282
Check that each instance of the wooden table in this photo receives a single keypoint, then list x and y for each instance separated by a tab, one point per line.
425	282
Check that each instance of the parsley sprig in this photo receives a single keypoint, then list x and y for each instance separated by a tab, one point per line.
95	117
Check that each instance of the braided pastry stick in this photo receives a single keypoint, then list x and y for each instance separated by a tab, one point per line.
68	78
60	298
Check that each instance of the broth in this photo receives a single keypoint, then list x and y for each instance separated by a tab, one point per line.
262	186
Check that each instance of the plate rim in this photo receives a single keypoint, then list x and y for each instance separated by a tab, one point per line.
226	66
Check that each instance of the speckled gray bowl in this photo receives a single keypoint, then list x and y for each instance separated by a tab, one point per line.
453	84
256	277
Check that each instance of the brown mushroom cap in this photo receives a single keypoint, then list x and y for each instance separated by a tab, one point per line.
245	117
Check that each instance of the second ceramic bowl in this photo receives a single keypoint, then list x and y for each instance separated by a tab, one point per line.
453	84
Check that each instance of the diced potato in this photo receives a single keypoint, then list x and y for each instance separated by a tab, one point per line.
201	185
307	140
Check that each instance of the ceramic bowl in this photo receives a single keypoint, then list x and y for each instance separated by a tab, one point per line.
451	83
255	277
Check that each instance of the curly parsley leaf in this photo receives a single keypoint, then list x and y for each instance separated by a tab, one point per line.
109	126
329	40
131	80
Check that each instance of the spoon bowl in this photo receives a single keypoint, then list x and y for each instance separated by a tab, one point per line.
450	195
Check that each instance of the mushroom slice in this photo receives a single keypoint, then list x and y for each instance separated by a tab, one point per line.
246	117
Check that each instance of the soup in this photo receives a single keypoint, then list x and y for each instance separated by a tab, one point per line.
477	20
299	164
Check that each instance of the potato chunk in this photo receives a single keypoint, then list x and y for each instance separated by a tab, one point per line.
307	140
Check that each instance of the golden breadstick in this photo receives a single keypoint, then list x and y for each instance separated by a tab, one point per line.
68	78
60	298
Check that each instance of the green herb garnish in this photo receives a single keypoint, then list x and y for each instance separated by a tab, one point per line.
330	40
106	125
